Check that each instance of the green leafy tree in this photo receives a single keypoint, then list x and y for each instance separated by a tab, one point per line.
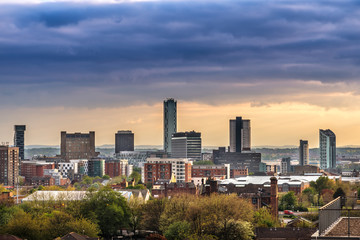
138	186
152	211
135	212
24	226
136	176
106	177
84	226
109	208
320	184
288	201
178	230
237	230
263	218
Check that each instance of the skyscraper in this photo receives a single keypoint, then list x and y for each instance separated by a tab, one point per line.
304	153
186	145
170	122
9	165
19	140
124	141
78	146
327	149
240	135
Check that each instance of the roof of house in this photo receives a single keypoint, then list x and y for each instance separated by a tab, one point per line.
76	236
9	237
56	195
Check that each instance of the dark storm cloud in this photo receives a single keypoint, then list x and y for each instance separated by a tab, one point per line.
98	55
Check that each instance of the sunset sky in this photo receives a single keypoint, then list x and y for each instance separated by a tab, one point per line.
291	67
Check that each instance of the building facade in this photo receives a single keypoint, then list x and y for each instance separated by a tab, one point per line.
96	167
304	153
285	165
327	145
238	160
118	167
32	169
186	145
240	135
170	122
19	140
9	165
78	145
124	141
209	171
166	168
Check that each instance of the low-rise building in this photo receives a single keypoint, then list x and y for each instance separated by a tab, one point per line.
30	169
210	170
166	168
118	167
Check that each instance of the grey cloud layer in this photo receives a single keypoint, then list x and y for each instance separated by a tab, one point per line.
119	54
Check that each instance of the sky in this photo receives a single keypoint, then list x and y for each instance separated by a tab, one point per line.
291	67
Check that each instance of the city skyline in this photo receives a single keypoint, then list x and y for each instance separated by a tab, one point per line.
189	118
77	66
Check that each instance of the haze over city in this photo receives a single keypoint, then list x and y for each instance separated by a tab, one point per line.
290	67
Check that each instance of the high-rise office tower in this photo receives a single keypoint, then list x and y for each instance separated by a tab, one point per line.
246	136
186	145
304	153
240	135
327	149
170	122
19	140
9	165
124	141
78	146
285	165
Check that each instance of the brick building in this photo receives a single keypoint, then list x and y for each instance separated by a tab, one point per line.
238	172
166	168
34	169
117	167
43	181
9	165
78	146
209	170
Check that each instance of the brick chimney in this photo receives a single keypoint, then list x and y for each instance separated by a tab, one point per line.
274	198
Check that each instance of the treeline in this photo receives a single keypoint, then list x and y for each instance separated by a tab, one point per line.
105	212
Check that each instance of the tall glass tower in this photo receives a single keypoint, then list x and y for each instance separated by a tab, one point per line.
170	122
19	139
327	149
304	153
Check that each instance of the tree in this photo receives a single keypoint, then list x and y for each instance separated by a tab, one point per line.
320	184
237	230
24	226
339	193
106	177
135	212
288	201
178	230
263	218
109	208
138	186
84	226
136	176
152	211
